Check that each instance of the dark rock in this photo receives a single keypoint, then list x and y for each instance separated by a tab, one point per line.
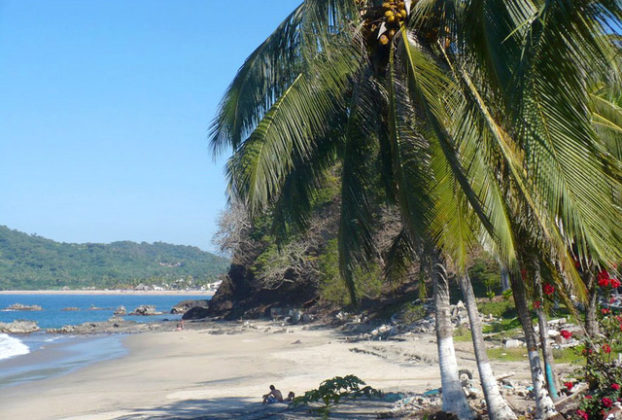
198	312
241	294
70	308
18	327
145	310
185	305
20	307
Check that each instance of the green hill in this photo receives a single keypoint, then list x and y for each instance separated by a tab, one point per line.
32	262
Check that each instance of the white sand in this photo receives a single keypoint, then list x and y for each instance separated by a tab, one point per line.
192	373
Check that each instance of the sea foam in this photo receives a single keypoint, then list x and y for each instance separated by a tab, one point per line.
11	346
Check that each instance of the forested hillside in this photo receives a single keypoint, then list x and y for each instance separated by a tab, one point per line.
33	262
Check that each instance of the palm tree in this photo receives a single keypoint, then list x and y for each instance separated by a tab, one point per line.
454	96
329	112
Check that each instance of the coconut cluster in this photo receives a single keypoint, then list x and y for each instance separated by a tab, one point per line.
382	22
394	15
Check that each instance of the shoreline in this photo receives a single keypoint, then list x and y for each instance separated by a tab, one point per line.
109	292
221	370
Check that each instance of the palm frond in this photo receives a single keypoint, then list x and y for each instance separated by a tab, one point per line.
355	236
262	79
306	111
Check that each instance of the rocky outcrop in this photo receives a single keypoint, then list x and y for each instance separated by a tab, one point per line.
18	327
145	310
20	307
70	309
185	305
198	312
113	325
241	294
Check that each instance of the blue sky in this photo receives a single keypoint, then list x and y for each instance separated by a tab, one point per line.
105	107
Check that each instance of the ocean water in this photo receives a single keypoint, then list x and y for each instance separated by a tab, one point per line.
41	355
91	308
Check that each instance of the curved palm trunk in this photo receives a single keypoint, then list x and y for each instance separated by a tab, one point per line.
454	400
547	353
498	409
544	404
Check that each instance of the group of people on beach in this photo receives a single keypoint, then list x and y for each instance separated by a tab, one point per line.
276	396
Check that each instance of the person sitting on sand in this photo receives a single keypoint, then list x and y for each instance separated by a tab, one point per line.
273	396
290	396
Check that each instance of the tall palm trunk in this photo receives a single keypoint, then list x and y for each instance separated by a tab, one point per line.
505	278
591	319
498	409
454	399
547	353
544	404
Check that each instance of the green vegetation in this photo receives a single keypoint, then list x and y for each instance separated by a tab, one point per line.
331	391
32	262
498	309
462	333
520	354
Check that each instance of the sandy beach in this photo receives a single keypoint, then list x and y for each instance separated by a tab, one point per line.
222	371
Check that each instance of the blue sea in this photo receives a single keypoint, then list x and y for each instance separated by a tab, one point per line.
41	355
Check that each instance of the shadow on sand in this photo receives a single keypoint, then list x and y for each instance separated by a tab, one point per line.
243	409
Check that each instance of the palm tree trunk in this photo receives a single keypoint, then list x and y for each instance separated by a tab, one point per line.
498	409
544	404
547	353
453	397
591	319
505	279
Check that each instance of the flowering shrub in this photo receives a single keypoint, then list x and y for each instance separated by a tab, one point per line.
601	372
548	289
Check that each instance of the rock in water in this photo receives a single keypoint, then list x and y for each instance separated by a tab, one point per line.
20	307
145	310
18	327
120	310
185	305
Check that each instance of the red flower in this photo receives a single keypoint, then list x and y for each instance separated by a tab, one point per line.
606	348
537	304
615	283
603	274
607	402
582	414
566	334
605	311
568	385
615	386
588	397
604	282
548	289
